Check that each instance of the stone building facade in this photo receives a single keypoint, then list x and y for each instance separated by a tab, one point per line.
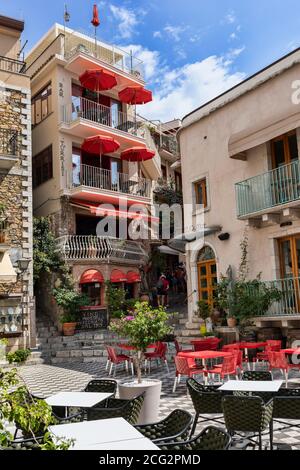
17	318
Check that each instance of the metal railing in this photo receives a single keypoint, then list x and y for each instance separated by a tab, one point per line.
100	114
83	43
9	142
269	189
168	143
92	247
289	303
101	178
11	65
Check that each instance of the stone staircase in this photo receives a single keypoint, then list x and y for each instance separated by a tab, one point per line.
186	331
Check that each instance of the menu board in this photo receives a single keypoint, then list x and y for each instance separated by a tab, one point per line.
93	319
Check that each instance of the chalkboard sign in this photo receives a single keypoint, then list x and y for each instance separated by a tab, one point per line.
93	319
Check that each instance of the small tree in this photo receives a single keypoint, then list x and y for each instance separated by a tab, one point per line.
142	328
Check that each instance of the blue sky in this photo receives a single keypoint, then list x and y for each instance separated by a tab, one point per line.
192	49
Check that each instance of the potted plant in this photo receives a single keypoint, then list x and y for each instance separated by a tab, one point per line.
204	311
143	327
70	301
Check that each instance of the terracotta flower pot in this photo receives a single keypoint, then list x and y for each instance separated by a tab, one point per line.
231	322
144	298
69	328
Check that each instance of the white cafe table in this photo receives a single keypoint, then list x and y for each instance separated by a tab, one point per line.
111	433
77	399
251	386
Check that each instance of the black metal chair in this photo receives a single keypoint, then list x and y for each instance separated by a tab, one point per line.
211	438
248	415
207	400
258	375
287	406
102	386
116	408
174	428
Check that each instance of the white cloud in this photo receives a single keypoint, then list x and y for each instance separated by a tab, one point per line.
233	36
184	89
151	60
157	34
127	21
230	18
174	31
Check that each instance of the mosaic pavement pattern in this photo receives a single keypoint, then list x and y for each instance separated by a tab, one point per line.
44	380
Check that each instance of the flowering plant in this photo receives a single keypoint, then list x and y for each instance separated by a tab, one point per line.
144	326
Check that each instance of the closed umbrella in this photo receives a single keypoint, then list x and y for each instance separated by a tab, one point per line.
95	22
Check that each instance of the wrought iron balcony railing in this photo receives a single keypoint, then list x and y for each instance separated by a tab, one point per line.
168	143
92	247
270	189
289	304
9	142
11	65
100	178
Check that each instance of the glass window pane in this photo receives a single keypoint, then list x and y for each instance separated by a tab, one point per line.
204	295
279	157
203	270
203	283
293	147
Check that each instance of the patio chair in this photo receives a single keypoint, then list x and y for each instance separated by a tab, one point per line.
209	344
248	415
117	408
115	359
102	386
228	367
211	438
257	375
278	360
180	348
158	355
24	444
287	406
174	428
272	345
183	367
207	400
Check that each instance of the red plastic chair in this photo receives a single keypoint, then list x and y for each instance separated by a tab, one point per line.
278	360
114	359
159	354
183	367
209	344
228	367
272	345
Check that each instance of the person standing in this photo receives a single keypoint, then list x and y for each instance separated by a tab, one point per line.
163	286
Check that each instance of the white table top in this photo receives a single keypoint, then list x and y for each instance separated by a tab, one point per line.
251	386
99	431
77	399
131	444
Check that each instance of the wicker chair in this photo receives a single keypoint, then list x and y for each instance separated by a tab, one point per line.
174	428
257	375
116	408
248	415
287	406
24	444
102	386
211	438
207	400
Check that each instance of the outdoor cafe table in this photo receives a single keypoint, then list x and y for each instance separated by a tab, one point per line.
114	433
77	399
203	356
251	386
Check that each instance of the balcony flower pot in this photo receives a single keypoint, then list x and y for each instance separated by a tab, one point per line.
69	328
152	390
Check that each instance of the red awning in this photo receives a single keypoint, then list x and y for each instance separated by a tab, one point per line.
135	95
90	276
98	80
133	277
137	154
100	144
118	276
98	210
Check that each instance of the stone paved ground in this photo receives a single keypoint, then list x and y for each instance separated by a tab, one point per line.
44	380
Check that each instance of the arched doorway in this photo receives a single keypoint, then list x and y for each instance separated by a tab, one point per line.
207	274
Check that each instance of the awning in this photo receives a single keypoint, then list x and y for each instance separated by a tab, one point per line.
90	276
118	276
7	273
133	277
178	243
166	250
99	210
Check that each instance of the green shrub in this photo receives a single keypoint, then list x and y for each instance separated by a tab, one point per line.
18	356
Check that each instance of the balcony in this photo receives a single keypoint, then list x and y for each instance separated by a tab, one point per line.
84	116
11	65
273	196
98	184
82	53
168	146
92	247
9	148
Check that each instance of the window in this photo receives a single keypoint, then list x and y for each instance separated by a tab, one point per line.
284	149
178	181
41	105
201	192
42	167
164	172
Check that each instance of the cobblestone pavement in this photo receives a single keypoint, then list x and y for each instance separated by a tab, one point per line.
44	380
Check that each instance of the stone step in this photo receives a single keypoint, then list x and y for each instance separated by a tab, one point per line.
189	333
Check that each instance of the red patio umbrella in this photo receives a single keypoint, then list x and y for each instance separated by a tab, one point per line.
98	80
100	144
135	95
137	154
